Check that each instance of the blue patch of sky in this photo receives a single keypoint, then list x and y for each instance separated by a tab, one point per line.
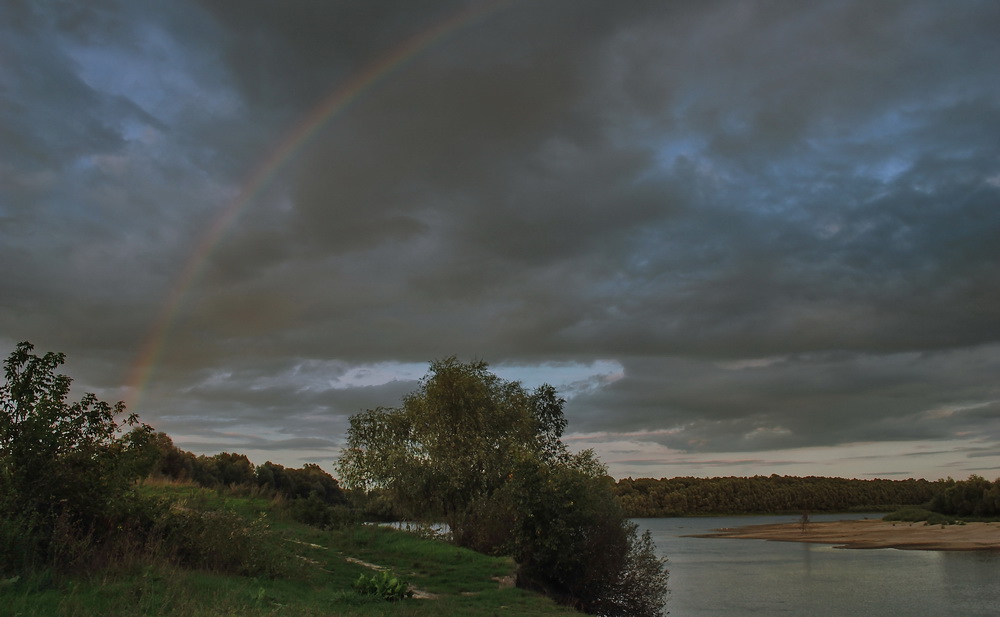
673	147
569	378
158	76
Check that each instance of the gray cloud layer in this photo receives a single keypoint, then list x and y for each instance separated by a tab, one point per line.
779	218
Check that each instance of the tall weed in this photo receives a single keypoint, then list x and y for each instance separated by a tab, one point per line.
20	545
221	541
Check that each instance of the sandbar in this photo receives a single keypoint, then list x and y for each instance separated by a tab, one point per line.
874	533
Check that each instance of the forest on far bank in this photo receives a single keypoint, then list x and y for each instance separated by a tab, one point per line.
647	497
639	498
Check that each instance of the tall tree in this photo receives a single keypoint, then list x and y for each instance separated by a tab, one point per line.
453	441
486	454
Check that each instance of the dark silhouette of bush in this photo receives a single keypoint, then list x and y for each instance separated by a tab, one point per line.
63	465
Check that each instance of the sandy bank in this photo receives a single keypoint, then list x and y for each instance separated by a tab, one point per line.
875	534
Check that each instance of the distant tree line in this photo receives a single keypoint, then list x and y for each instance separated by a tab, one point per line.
231	470
646	497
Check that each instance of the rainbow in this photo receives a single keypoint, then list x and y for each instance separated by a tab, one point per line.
264	172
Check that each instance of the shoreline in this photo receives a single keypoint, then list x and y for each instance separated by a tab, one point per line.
873	533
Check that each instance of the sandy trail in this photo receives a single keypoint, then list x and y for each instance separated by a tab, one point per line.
875	534
417	593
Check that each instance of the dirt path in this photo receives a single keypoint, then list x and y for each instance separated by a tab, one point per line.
420	594
417	593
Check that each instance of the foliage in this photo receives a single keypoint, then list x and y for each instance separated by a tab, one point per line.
486	454
60	461
312	495
976	497
645	497
383	585
216	540
309	482
454	441
573	542
909	514
171	462
223	469
374	505
313	510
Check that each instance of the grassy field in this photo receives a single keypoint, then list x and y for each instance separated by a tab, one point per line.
313	575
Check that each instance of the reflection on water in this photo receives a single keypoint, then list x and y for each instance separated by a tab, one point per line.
431	530
719	576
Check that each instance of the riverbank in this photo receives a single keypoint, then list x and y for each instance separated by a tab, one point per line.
313	573
874	533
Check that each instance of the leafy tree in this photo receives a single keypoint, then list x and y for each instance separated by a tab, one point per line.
975	497
171	461
487	455
59	458
224	469
309	482
453	441
572	540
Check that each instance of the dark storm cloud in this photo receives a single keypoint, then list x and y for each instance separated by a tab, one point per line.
98	187
779	218
800	400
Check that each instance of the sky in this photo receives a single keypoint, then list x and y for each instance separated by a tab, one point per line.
739	237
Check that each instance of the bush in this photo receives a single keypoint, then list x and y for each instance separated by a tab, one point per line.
384	585
314	511
909	514
63	466
573	542
20	545
939	519
218	540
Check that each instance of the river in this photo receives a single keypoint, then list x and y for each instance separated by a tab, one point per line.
722	577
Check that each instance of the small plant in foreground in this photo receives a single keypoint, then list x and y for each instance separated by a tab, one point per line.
383	585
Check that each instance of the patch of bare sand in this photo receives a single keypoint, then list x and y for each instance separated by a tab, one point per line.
875	534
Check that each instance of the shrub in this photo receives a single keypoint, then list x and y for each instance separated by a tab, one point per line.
572	541
63	466
384	585
20	545
314	511
910	514
218	540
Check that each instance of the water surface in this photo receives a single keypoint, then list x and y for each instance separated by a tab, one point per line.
736	578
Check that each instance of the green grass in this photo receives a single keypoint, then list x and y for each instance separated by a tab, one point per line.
436	566
916	514
315	579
